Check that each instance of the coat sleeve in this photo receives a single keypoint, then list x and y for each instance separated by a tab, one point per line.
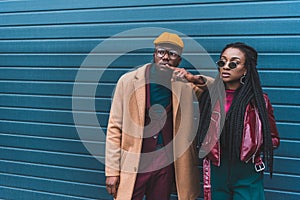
114	133
200	88
273	127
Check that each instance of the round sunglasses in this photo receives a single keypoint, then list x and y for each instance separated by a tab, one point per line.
160	52
231	64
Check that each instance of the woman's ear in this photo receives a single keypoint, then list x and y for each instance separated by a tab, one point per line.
245	72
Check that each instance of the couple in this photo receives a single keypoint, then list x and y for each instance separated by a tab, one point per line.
154	129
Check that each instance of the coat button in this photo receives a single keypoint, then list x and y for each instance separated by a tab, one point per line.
155	137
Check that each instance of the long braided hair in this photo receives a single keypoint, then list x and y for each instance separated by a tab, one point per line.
249	92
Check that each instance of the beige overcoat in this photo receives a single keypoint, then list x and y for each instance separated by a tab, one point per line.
125	134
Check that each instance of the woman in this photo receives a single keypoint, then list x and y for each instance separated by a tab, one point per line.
237	130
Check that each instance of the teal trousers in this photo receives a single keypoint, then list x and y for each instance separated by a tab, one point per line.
237	181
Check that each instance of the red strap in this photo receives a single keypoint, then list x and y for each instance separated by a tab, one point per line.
206	179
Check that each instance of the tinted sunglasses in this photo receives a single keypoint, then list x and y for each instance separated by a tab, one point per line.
160	52
231	64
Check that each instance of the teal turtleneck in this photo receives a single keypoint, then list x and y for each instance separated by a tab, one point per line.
160	90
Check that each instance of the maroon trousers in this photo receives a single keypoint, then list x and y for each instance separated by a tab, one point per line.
155	185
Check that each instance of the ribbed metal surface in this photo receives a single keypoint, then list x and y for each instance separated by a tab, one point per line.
43	44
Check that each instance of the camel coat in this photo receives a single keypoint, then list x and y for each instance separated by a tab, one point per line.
125	134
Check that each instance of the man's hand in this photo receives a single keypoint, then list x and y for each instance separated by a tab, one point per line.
112	184
180	74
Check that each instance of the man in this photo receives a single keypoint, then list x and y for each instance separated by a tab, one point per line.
151	129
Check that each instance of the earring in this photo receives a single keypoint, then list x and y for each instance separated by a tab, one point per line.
242	79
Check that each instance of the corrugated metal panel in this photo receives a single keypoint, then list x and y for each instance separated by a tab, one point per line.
43	44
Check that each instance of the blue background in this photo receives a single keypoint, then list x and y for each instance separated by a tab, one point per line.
43	44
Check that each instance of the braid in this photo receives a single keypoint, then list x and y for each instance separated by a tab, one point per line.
263	113
206	104
249	92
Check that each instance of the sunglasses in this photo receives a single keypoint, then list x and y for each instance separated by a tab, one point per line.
231	65
160	52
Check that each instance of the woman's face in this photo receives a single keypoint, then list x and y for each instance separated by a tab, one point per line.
231	76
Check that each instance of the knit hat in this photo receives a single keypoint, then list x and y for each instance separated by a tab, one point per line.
169	38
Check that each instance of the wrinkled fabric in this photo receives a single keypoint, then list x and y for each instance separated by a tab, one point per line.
252	138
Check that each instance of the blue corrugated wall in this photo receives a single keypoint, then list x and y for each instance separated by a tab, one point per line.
43	44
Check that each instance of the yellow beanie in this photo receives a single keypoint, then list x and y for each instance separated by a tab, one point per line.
169	38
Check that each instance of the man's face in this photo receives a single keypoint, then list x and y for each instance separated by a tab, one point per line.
166	55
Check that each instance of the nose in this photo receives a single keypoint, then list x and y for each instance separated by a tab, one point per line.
166	56
226	66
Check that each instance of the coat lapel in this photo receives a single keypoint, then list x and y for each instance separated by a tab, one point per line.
140	92
176	96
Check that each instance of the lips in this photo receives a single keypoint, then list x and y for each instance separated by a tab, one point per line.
225	75
163	63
